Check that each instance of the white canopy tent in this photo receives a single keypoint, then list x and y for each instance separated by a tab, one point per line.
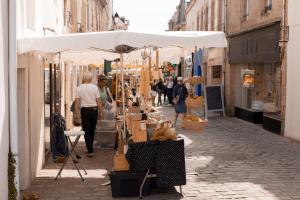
93	47
107	41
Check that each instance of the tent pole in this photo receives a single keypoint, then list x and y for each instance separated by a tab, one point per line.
123	95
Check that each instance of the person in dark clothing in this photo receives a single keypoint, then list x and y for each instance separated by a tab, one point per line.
88	107
180	93
160	90
165	89
170	88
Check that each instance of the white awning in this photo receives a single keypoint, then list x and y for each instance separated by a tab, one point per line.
96	46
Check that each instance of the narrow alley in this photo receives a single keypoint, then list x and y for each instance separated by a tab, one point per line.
231	159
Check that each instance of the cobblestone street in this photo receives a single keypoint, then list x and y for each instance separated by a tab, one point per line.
232	159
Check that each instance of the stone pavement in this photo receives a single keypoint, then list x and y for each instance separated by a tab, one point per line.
231	159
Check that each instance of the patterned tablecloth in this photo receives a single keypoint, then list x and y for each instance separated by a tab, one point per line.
165	159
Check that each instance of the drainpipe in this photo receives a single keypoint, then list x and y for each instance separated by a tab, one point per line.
12	70
284	75
225	53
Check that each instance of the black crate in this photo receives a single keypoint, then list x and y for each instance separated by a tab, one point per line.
127	184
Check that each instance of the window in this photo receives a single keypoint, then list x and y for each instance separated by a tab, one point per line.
212	15
216	71
269	3
267	6
245	8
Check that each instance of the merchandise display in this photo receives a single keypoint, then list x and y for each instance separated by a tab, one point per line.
163	133
193	122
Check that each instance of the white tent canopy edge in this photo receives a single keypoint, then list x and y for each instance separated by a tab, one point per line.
109	40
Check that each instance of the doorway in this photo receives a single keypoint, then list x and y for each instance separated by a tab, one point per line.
52	100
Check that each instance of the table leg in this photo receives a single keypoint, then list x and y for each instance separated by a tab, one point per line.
180	188
78	172
143	183
77	156
67	158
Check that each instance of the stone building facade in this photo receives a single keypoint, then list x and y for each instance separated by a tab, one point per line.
178	20
88	15
255	79
119	22
208	15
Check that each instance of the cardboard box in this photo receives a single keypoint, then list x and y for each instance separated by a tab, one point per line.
139	131
120	163
134	110
132	117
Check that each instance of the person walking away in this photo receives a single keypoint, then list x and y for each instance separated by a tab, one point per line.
180	94
88	100
160	90
166	82
170	90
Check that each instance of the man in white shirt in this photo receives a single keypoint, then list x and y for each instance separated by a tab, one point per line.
88	100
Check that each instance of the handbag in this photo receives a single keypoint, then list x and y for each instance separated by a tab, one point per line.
113	103
74	121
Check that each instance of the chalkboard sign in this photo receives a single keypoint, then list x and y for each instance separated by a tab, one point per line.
214	98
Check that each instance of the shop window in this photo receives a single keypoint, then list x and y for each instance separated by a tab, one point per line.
216	72
260	88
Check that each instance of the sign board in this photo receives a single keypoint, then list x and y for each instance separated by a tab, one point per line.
214	98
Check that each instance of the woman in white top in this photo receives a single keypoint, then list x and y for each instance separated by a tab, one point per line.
88	99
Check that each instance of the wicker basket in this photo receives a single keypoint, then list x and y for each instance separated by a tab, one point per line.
195	125
196	80
194	103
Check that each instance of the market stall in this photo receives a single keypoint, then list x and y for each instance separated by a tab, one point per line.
139	127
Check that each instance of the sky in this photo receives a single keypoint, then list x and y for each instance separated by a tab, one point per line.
146	15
